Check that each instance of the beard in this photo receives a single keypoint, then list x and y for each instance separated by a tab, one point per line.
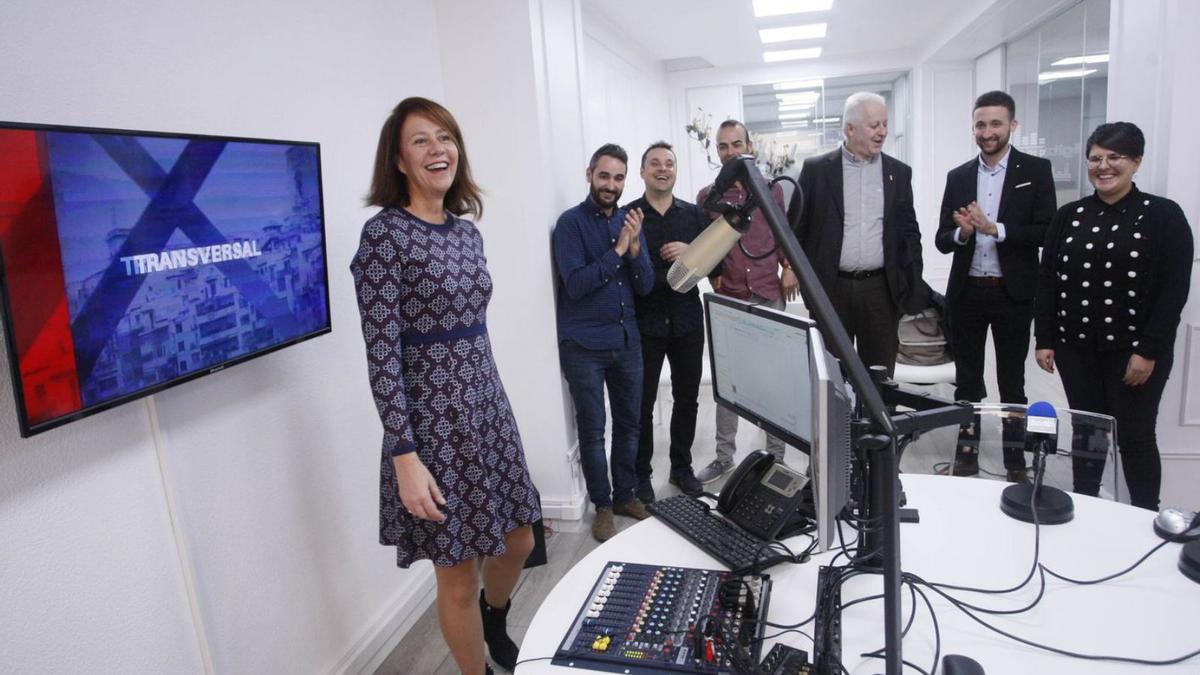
991	148
605	199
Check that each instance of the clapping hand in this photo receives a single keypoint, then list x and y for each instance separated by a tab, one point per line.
979	220
633	226
963	219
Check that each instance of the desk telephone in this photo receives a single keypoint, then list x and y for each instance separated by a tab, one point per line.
764	496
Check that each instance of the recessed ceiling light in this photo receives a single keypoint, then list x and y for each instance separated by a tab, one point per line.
1081	60
810	31
796	106
793	116
798	97
1051	75
799	84
791	54
794	125
777	7
827	120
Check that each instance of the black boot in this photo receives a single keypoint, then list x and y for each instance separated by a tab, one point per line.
487	670
495	634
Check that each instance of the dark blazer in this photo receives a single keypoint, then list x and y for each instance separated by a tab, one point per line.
1027	205
822	224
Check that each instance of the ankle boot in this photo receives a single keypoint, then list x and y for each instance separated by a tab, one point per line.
495	634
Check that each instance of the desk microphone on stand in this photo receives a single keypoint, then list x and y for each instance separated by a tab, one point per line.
1052	505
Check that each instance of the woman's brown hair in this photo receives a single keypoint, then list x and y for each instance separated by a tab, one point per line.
389	187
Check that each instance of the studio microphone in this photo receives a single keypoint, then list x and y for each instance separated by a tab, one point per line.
1041	428
708	250
704	253
1038	503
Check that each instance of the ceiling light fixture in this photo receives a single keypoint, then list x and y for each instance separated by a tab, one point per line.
798	97
1080	60
811	31
799	84
827	120
792	115
763	8
1052	75
791	54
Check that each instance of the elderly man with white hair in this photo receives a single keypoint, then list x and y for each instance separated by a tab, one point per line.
859	230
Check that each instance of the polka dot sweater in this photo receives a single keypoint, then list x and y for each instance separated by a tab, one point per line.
1114	276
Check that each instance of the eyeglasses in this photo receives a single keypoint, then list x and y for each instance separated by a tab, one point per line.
1113	160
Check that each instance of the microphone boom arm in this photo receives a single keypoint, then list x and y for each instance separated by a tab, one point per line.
743	169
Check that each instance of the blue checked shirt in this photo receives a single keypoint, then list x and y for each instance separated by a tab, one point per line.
595	285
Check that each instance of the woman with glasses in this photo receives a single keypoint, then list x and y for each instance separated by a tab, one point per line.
1114	279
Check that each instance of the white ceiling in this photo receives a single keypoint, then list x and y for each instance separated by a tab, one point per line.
725	32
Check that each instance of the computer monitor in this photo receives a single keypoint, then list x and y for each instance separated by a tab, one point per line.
830	455
772	369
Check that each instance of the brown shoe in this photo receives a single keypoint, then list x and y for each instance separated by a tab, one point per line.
1017	476
602	527
634	508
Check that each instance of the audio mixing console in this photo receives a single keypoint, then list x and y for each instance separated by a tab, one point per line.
650	619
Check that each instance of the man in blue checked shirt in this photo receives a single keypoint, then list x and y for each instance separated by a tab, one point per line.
601	261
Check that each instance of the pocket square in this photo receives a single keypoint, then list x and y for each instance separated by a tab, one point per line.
1018	187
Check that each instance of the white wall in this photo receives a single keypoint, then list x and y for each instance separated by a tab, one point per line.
515	91
625	99
270	466
1153	56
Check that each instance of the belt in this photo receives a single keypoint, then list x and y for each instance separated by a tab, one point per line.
859	275
985	281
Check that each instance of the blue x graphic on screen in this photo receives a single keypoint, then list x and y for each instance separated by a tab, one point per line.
169	272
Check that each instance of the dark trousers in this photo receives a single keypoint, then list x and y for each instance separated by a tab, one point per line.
972	313
1092	381
685	353
587	372
866	310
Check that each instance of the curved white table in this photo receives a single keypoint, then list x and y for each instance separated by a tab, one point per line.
963	538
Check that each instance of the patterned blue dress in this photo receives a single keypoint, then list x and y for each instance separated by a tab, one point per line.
423	291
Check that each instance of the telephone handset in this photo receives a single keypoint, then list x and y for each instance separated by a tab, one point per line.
762	495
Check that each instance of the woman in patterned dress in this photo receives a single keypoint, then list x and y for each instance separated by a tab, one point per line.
454	487
1113	282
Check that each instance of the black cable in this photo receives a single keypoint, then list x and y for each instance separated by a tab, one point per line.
1111	576
1064	652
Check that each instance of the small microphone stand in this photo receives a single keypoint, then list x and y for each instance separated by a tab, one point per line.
1021	500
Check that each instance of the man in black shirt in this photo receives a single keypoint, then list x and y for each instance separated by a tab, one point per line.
671	324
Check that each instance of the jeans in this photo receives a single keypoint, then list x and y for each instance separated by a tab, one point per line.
685	353
587	372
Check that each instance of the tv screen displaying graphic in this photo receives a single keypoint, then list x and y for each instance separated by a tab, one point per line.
133	261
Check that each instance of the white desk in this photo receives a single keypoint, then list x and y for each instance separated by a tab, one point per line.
963	538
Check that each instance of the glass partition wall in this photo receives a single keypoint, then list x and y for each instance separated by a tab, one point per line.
792	120
1058	75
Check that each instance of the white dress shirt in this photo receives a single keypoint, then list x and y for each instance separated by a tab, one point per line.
988	188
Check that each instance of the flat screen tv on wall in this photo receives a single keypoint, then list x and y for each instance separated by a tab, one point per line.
134	261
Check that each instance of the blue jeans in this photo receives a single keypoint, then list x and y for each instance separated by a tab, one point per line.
587	372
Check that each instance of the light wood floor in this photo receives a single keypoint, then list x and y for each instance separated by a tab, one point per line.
423	651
